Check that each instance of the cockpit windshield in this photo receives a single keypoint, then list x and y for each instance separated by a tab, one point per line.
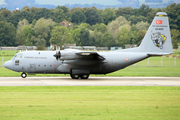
17	56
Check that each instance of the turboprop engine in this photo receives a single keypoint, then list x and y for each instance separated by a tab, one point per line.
66	55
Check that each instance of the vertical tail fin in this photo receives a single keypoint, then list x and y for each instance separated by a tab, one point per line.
157	40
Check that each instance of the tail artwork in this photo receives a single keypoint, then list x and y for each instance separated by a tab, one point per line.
157	40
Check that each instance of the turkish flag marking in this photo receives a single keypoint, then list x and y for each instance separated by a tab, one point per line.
158	21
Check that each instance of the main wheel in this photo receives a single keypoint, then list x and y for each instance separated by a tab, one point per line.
74	76
23	75
84	76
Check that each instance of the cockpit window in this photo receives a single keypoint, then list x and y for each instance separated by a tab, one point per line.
14	57
20	55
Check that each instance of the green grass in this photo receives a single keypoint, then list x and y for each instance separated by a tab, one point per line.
148	71
8	52
89	103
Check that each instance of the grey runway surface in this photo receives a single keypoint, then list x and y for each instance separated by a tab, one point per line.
92	81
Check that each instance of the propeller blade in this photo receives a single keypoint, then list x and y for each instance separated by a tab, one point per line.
57	55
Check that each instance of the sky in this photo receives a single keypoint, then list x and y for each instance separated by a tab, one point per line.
102	2
63	2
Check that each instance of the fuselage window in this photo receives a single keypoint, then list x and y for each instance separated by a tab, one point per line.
17	62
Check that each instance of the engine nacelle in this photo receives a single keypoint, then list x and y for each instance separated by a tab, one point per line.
69	55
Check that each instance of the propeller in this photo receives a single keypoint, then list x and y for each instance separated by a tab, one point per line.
58	54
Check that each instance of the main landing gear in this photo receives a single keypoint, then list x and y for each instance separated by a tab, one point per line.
23	75
79	76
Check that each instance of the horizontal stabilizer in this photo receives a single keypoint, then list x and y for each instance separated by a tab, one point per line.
158	54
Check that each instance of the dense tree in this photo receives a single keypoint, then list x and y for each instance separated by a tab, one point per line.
43	13
78	17
26	15
13	18
140	36
7	34
60	35
175	37
59	15
96	38
76	9
62	13
142	25
2	18
39	41
108	15
43	28
151	14
144	10
133	31
116	25
34	10
76	36
27	33
92	16
85	37
107	40
173	12
135	19
5	12
16	12
89	26
84	25
123	37
26	8
99	27
19	34
125	12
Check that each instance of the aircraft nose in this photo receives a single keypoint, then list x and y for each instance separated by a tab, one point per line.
8	64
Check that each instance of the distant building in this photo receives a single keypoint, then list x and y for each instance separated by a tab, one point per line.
115	48
130	46
22	47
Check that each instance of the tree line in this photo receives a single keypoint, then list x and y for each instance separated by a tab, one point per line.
84	26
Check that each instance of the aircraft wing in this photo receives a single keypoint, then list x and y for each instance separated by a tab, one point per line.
89	54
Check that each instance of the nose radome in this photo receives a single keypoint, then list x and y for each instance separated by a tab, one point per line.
8	64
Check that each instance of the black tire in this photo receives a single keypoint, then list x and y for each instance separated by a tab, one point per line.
74	76
23	75
84	76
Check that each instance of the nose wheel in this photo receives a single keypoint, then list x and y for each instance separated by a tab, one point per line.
23	75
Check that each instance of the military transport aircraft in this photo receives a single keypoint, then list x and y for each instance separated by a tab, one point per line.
80	64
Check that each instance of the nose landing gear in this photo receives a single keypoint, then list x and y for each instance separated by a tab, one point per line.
23	75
